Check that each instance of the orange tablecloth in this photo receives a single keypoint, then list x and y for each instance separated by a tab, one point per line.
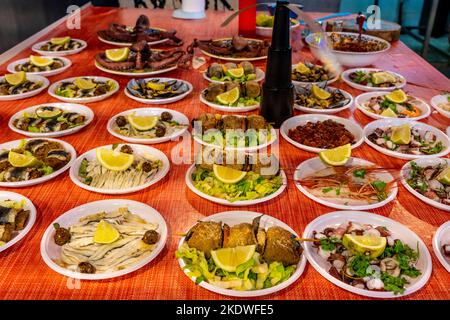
24	275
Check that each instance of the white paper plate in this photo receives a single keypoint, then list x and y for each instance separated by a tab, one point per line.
19	235
385	123
259	76
234	58
346	78
318	83
436	100
423	163
70	107
139	149
134	74
14	144
67	64
398	230
177	116
241	203
36	48
226	108
293	122
127	44
31	77
162	100
235	217
51	251
442	235
327	111
365	97
313	165
51	90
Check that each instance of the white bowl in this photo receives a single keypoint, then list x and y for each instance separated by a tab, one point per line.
139	149
404	172
385	123
52	89
235	217
67	63
267	31
293	122
436	100
318	83
259	76
51	251
31	77
220	107
365	97
349	59
161	100
327	111
399	231
442	235
36	48
134	74
313	165
19	235
240	203
346	78
231	58
70	107
177	116
19	184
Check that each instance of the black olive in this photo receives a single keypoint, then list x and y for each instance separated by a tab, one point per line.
121	121
150	237
126	149
86	267
62	236
166	116
147	166
160	131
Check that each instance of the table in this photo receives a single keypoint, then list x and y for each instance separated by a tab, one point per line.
24	275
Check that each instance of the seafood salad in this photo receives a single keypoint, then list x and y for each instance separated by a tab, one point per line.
354	43
445	105
118	169
315	97
239	257
49	119
105	242
13	218
375	78
310	72
61	44
146	127
232	131
396	104
32	159
407	139
84	88
18	83
367	257
244	71
156	88
233	94
40	64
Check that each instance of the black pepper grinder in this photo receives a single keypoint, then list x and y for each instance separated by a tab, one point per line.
278	91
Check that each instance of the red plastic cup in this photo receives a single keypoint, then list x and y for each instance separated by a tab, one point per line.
247	19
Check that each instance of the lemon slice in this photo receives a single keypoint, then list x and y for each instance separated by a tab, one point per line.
229	97
228	175
15	79
21	160
397	96
41	61
115	161
444	177
383	77
320	93
48	112
59	41
156	86
142	123
236	73
117	55
229	259
84	84
301	68
105	233
401	134
388	113
368	245
337	156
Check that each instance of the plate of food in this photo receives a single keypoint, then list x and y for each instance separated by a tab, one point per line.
372	79
441	103
242	133
157	90
148	125
318	132
15	86
236	48
40	65
28	162
357	185
321	99
58	47
251	254
395	104
83	89
367	254
441	245
119	168
17	217
429	181
264	24
51	119
307	73
232	96
104	239
406	139
230	71
234	179
350	49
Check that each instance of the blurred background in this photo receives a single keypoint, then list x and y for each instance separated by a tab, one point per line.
19	20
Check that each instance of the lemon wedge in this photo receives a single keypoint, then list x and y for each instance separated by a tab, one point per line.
41	61
115	161
105	233
229	259
320	93
84	84
367	245
21	160
388	112
236	73
17	78
142	123
301	68
397	96
401	134
337	156
117	55
228	175
229	97
59	41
